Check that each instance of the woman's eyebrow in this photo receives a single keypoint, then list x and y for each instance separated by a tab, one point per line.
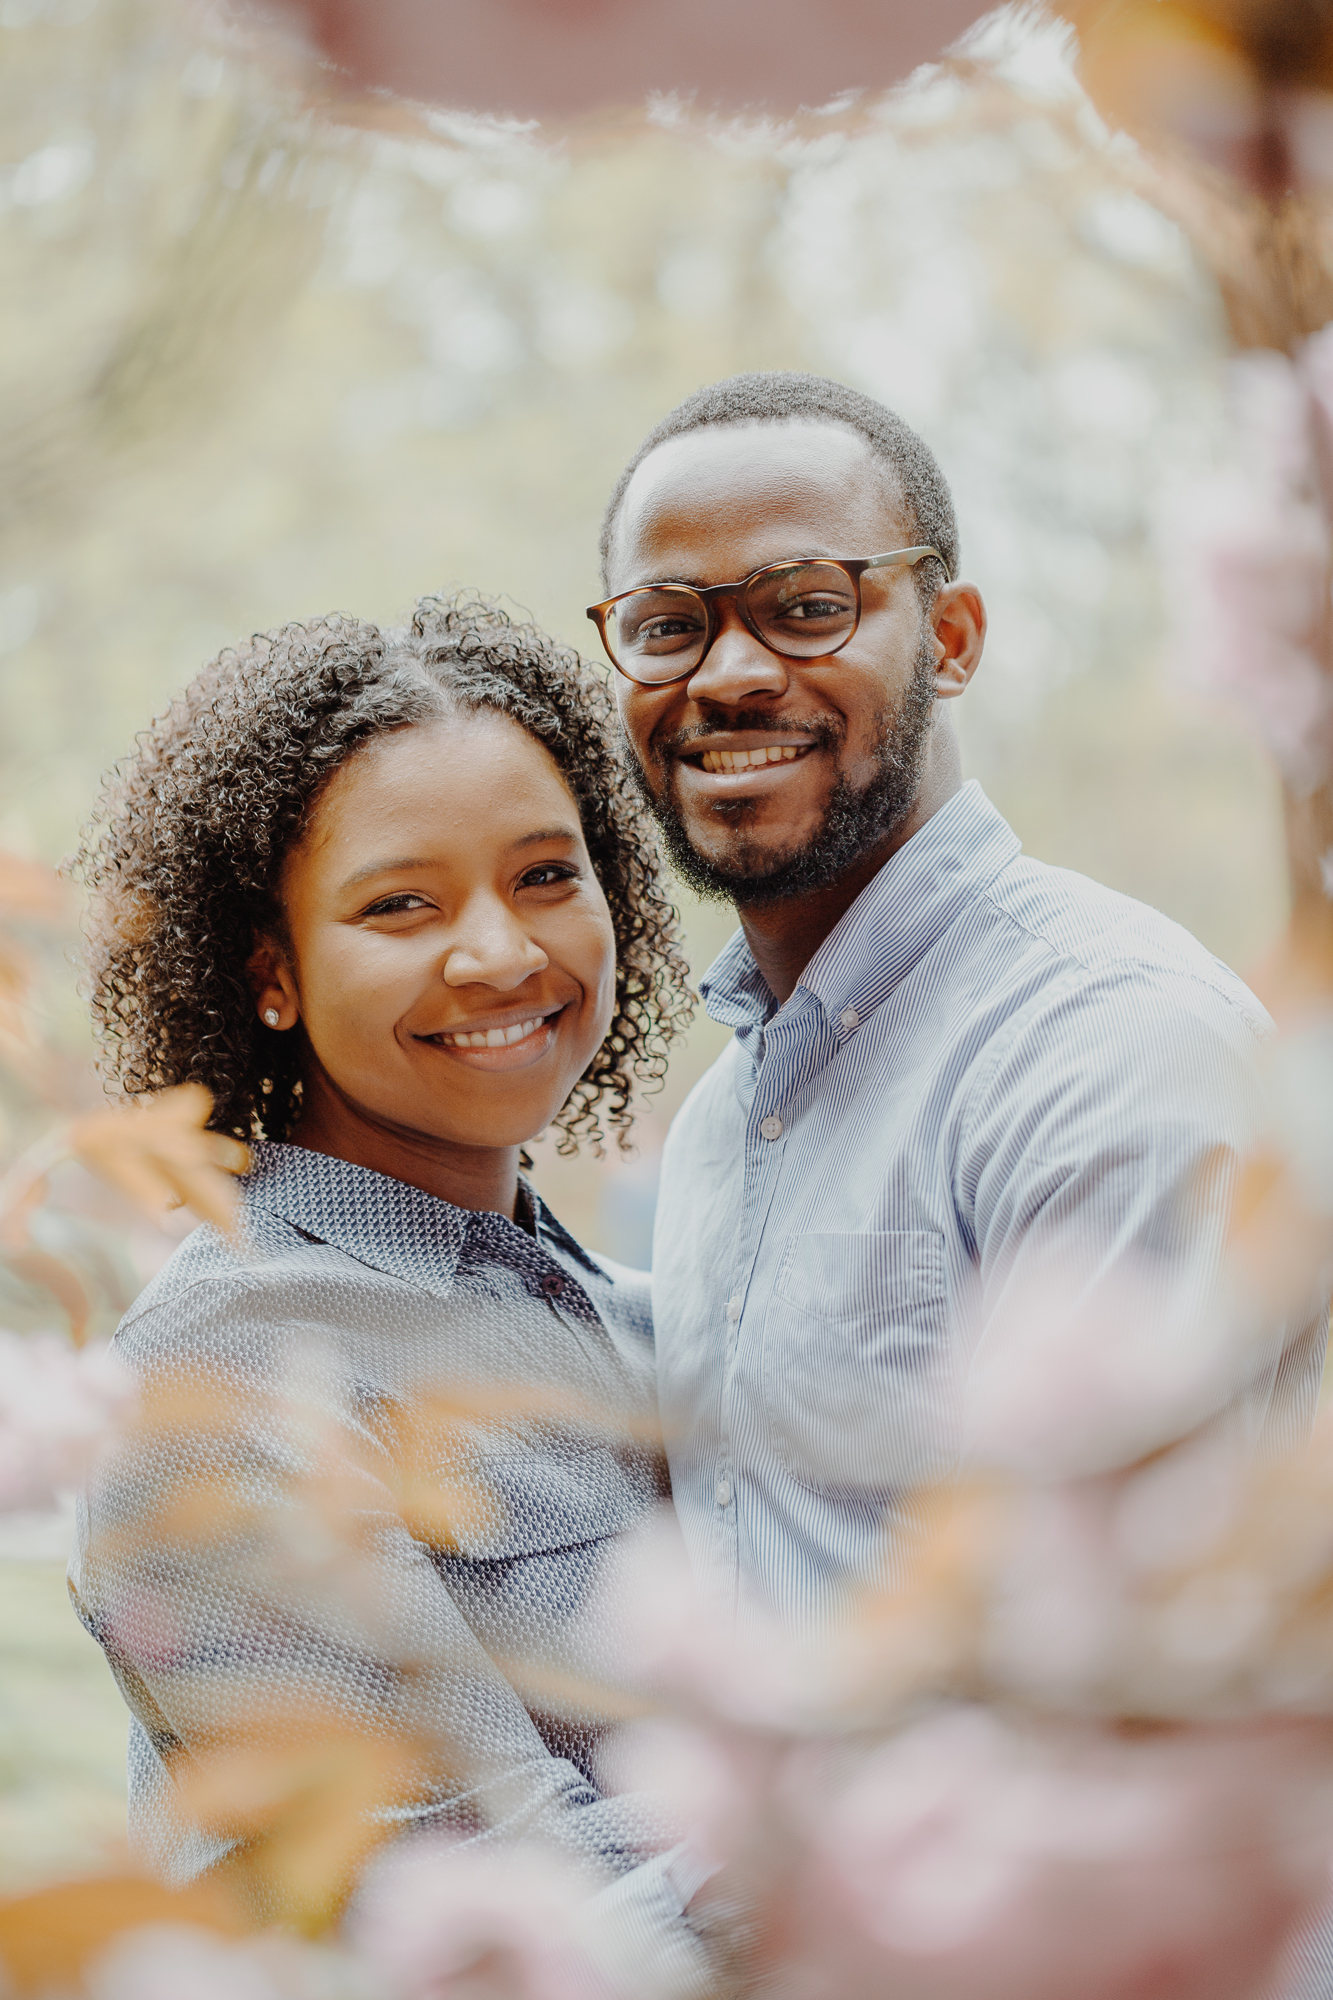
547	833
393	866
403	864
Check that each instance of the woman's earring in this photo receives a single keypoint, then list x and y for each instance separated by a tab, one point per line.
271	1017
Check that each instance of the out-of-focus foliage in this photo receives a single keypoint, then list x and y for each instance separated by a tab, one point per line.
1243	85
158	1159
261	357
256	361
258	364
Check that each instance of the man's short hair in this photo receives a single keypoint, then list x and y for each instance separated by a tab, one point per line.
780	397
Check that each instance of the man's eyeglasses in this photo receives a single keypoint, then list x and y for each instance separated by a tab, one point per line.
802	610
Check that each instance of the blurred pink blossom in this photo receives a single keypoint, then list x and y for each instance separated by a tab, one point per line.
684	1645
145	1626
445	1922
1246	562
707	1778
974	1858
181	1962
1076	1378
57	1406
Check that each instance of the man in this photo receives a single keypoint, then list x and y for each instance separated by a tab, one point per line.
957	1076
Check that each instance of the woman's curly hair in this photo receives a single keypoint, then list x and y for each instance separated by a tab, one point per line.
184	851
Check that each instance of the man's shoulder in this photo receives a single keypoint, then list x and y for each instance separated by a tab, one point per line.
1092	939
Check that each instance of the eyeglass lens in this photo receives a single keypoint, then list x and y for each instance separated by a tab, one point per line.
801	610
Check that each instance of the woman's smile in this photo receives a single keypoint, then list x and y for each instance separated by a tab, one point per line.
501	1045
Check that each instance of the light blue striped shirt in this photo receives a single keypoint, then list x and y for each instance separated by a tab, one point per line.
989	1067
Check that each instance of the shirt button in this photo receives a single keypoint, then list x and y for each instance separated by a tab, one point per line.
734	1309
850	1018
723	1493
771	1128
553	1284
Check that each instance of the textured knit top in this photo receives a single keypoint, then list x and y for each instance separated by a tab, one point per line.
387	1451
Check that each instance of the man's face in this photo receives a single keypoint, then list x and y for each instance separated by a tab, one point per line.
709	508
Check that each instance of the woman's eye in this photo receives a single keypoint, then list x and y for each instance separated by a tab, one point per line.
389	906
547	872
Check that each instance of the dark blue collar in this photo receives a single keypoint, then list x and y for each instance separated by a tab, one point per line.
383	1222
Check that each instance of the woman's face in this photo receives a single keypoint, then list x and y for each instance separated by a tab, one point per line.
451	961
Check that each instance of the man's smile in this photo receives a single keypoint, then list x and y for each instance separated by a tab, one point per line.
746	760
726	763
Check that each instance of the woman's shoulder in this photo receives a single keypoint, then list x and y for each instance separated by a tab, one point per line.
261	1274
213	1296
631	1294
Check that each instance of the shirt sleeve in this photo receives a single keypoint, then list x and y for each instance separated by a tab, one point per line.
1095	1168
244	1564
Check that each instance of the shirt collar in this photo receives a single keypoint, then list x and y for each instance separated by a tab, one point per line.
383	1222
898	916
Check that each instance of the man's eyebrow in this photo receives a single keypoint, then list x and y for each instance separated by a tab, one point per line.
806	554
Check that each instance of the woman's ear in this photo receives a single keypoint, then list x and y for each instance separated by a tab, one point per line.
271	982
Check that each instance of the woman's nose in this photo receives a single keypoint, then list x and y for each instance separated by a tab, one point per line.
490	947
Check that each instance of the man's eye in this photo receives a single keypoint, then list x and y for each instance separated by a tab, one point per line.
814	607
655	630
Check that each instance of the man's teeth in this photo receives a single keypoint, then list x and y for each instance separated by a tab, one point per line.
495	1038
746	760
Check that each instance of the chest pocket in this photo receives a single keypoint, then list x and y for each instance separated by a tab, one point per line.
855	1347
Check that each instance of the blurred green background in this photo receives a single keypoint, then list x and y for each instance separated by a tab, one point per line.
266	352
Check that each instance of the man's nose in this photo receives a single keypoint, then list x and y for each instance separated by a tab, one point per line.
490	947
736	667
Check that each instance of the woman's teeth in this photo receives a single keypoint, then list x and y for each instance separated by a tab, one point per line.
746	760
495	1038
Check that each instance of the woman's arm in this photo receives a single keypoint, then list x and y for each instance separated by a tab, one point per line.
245	1566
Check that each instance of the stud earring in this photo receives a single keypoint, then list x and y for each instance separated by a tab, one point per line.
271	1017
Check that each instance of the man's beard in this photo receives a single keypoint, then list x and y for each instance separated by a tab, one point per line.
854	822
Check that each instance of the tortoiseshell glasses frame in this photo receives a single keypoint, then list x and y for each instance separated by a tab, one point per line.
660	633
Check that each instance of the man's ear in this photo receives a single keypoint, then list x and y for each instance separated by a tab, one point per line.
959	620
270	976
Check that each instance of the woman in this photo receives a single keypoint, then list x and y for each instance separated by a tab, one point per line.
387	897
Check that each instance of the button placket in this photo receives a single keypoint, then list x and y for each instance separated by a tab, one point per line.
758	1180
760	1177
